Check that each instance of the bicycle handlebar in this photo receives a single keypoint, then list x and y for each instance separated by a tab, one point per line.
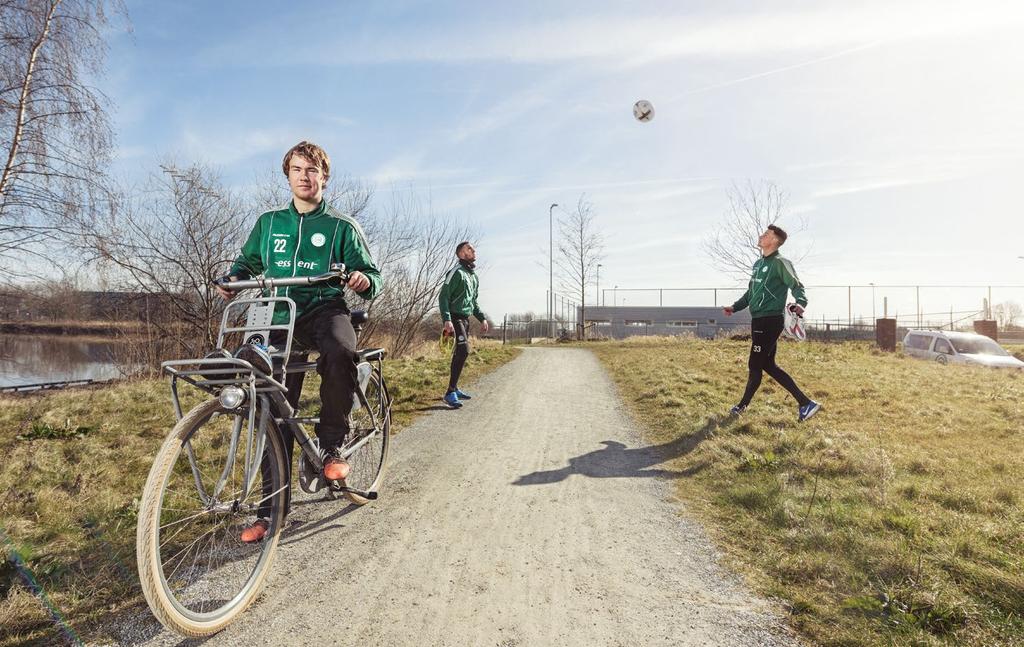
337	271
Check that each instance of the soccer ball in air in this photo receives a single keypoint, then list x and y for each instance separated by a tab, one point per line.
643	110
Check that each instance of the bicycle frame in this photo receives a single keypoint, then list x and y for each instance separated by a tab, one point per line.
212	375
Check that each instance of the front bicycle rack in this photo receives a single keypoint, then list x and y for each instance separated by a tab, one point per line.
213	374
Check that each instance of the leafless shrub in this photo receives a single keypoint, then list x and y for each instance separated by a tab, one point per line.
170	241
414	247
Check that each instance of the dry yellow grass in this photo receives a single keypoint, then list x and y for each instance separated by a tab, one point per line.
895	516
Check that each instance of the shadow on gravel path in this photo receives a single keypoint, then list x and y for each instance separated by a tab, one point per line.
618	461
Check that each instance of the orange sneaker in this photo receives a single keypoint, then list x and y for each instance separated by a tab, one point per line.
256	532
335	468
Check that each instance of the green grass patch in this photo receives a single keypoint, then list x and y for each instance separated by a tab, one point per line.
40	430
893	517
75	462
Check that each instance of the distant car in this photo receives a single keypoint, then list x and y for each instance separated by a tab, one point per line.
958	348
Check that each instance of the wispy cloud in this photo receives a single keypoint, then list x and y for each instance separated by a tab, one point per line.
641	38
678	241
412	167
777	70
225	147
846	188
677	192
612	184
850	177
500	115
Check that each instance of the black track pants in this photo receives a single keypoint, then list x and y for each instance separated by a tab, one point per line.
329	330
764	340
461	351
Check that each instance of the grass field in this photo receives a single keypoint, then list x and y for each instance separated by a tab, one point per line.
895	516
74	465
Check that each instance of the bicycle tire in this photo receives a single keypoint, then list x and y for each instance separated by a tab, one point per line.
169	602
369	461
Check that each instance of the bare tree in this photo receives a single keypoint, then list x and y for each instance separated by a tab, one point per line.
413	247
525	317
1007	314
580	249
171	241
55	130
733	247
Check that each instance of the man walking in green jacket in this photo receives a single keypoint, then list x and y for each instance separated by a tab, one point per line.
457	301
303	238
773	277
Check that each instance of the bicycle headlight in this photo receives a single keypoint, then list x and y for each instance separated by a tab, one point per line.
231	397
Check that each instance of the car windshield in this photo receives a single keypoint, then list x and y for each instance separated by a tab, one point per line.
977	346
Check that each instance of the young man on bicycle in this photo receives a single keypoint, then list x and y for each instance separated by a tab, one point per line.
303	238
773	277
457	301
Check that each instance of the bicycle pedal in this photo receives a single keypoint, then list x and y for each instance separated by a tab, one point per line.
369	496
311	480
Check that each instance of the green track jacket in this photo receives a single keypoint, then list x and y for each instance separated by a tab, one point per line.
284	244
766	294
458	294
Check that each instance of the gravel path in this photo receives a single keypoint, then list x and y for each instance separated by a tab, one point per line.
535	515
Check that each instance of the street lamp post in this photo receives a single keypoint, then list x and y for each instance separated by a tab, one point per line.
598	299
873	318
551	258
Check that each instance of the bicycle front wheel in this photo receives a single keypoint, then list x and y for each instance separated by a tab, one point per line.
368	460
196	573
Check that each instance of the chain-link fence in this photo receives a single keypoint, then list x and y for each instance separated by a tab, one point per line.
920	306
835	312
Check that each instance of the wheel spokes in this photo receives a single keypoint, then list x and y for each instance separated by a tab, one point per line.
204	563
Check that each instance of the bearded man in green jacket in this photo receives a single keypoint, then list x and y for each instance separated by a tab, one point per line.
303	238
457	301
772	279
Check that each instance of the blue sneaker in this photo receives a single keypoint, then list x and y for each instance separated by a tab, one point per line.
462	395
808	410
737	410
452	400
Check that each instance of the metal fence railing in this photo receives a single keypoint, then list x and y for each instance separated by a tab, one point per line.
916	305
843	332
516	331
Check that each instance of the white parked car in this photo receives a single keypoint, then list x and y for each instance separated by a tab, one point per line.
958	348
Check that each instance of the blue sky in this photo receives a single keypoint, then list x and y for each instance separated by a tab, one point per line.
896	128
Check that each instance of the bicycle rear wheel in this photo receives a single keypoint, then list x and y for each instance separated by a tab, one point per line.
196	573
367	462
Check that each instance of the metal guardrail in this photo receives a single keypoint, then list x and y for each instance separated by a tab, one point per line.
43	386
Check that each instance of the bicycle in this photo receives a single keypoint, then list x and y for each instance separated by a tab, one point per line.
196	573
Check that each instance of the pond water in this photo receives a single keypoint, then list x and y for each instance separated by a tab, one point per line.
30	359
